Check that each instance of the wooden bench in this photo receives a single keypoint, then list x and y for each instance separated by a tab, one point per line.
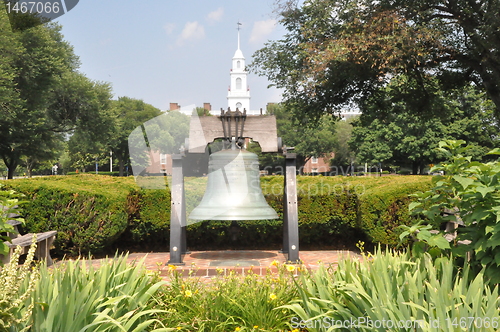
44	243
14	223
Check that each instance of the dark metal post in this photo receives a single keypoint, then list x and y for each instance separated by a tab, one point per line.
291	216
177	213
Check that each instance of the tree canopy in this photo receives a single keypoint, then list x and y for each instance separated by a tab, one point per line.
308	141
393	134
42	96
115	123
342	52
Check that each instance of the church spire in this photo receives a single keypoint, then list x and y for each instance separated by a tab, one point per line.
238	96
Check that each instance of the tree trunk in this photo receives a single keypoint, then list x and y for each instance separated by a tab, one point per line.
418	167
414	168
29	166
11	163
12	169
121	166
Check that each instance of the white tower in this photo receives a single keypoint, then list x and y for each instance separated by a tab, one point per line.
238	96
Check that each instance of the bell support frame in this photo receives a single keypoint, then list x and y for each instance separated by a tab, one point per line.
261	128
177	213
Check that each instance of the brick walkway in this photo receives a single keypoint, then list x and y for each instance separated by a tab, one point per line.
206	263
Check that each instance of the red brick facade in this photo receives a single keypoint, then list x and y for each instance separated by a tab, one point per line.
317	165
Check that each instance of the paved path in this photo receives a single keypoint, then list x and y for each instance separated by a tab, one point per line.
210	263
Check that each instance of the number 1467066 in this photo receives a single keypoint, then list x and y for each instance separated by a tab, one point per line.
33	7
477	322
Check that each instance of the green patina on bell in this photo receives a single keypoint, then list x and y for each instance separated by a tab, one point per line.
233	189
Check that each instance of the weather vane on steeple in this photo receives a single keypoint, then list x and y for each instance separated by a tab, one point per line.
238	28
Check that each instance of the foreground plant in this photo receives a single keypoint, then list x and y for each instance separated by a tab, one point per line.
392	291
229	302
471	191
9	201
15	306
75	296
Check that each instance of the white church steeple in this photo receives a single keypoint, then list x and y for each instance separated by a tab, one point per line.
238	96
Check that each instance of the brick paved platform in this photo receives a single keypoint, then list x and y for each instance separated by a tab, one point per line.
210	263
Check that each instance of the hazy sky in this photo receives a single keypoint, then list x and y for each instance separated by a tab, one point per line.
164	51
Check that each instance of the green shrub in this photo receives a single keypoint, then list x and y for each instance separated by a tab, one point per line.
101	213
100	173
148	217
384	207
380	292
89	212
470	188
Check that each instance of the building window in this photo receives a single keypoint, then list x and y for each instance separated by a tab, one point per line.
238	64
238	105
314	160
163	162
238	83
314	170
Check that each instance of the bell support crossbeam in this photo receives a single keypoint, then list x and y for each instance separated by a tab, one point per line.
262	129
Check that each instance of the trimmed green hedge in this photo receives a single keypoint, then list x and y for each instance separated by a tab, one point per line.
97	213
88	211
100	173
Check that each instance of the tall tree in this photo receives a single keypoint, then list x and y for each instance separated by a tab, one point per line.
308	139
337	52
41	93
163	134
129	113
344	155
391	133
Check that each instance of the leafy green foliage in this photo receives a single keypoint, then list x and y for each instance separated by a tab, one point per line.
309	139
423	239
336	53
470	190
127	114
391	288
9	201
149	219
344	154
229	302
76	296
86	213
389	131
18	284
383	207
42	94
95	213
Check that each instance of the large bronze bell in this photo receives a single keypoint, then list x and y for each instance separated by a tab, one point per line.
233	189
